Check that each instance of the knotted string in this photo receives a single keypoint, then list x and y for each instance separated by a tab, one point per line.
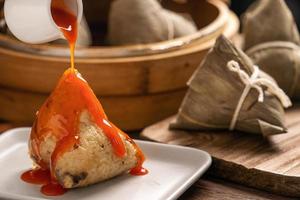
255	82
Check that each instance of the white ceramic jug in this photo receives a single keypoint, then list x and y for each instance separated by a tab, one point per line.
31	20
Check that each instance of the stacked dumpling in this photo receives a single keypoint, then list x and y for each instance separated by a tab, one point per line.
272	41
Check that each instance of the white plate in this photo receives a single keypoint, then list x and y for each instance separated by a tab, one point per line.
172	169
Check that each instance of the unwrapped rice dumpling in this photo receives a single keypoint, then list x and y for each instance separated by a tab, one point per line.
141	22
271	40
74	140
228	92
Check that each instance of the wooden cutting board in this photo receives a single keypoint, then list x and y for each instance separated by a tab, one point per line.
271	164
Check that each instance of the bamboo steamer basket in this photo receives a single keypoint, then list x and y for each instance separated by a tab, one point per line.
137	85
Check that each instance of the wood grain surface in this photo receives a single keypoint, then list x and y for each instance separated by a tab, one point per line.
271	164
108	77
208	188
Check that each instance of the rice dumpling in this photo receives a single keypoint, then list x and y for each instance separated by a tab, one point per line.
282	61
142	22
271	40
74	139
228	92
269	20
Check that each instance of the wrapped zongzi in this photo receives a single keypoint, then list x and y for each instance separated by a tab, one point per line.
141	22
271	40
282	61
228	92
269	20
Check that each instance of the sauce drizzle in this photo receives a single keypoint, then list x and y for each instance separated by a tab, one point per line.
67	23
59	115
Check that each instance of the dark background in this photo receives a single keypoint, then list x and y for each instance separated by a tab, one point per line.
239	7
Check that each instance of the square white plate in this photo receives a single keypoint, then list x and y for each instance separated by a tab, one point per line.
172	169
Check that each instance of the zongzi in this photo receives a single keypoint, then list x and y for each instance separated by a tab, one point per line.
141	22
74	139
228	92
271	40
269	20
282	61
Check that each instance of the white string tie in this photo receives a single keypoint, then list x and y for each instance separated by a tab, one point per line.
255	82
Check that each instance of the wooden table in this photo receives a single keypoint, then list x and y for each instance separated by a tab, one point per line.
210	188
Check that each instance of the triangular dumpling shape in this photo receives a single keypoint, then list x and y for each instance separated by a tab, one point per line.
269	20
142	22
75	140
272	42
215	92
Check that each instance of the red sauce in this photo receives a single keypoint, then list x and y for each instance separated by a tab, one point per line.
43	177
67	22
138	170
53	189
59	115
37	176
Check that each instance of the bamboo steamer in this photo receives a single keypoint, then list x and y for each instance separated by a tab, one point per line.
137	85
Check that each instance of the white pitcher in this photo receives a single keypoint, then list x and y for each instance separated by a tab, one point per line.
31	20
